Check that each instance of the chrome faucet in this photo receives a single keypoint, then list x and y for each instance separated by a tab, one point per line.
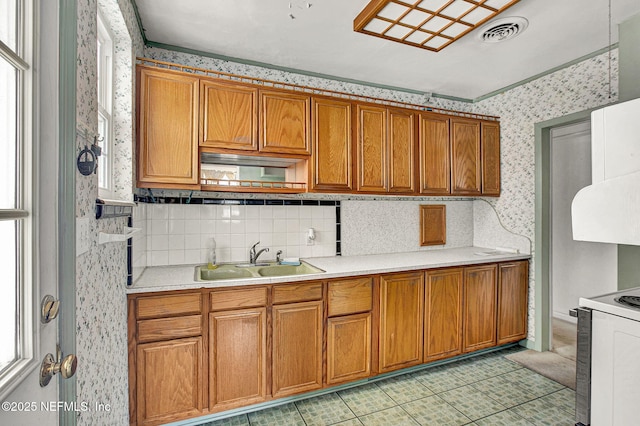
253	256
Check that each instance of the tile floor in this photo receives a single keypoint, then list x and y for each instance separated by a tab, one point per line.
488	390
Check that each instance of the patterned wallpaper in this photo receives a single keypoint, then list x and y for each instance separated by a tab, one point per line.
575	88
101	307
101	323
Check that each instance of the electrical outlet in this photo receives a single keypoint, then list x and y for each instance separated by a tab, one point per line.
83	235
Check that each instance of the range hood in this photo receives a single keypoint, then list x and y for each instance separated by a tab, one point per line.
608	210
247	160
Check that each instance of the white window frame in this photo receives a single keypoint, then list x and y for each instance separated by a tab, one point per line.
27	295
105	105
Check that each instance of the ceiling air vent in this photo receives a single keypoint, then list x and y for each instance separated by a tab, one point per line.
502	29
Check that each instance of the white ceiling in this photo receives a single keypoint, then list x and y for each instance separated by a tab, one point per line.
321	39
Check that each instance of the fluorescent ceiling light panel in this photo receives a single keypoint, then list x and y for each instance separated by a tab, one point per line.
456	9
428	24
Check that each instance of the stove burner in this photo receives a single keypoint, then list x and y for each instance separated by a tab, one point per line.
632	301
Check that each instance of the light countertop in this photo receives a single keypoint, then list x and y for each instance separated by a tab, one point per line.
182	277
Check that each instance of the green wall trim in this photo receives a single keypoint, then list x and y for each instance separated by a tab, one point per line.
280	68
545	73
542	248
175	48
67	198
139	20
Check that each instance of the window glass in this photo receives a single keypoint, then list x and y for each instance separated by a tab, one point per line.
8	23
8	134
105	95
8	292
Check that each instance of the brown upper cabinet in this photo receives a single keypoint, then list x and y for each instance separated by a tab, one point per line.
331	160
355	146
385	150
490	158
465	157
167	128
284	122
228	116
435	154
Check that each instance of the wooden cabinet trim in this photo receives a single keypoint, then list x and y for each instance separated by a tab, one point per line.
348	348
401	320
331	163
297	348
238	298
513	285
170	366
274	136
466	163
479	307
237	358
169	328
236	126
401	148
372	150
349	296
160	159
169	305
435	154
490	141
433	224
296	292
443	313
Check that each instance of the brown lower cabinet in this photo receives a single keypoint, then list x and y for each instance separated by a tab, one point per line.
197	352
443	313
401	320
297	348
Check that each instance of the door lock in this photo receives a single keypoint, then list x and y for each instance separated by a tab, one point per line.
49	309
51	366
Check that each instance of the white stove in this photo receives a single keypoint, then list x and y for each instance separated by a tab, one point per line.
608	366
608	303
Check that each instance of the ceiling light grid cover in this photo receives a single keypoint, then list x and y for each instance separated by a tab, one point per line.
429	24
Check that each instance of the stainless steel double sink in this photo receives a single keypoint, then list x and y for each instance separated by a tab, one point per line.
237	271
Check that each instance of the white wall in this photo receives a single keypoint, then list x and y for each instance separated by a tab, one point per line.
578	268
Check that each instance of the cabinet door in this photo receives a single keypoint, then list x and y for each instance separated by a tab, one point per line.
228	116
331	158
297	348
443	314
372	149
169	380
401	321
284	123
401	152
435	158
348	348
465	156
237	358
479	312
167	128
490	158
513	281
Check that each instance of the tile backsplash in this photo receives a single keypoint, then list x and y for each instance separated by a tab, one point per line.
183	234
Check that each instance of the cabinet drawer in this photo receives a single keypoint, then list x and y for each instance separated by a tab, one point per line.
238	299
169	328
167	306
349	296
297	292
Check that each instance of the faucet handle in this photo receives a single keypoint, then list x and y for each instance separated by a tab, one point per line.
253	247
278	258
